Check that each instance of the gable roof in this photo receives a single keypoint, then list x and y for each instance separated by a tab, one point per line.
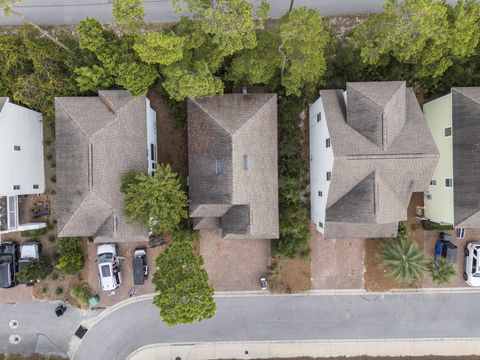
97	140
226	133
383	151
3	101
466	156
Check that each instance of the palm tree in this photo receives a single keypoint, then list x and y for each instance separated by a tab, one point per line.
441	270
402	260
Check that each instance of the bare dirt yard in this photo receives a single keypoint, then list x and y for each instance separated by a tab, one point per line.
290	276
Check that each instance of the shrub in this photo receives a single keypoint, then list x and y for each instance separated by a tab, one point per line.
441	270
81	293
59	291
430	225
35	232
35	270
54	276
71	259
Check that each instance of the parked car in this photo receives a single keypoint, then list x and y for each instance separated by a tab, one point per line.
471	273
29	251
109	269
263	283
445	248
140	267
8	264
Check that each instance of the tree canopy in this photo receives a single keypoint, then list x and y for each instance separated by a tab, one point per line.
426	34
303	37
157	201
71	259
129	14
118	62
184	293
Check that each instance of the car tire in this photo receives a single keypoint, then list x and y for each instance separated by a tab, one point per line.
465	276
466	252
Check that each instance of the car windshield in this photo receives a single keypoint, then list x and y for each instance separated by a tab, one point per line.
105	271
105	257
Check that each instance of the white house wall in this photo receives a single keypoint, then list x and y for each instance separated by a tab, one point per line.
21	127
151	138
321	161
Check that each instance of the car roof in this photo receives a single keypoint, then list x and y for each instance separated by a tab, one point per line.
106	248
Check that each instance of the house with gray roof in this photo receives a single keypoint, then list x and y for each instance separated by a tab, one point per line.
453	196
98	139
233	174
370	149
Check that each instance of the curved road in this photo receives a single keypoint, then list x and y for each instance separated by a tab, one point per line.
311	317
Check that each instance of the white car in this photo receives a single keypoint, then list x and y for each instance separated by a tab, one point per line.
471	273
110	272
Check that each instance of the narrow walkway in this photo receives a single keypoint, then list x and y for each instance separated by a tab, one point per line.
268	350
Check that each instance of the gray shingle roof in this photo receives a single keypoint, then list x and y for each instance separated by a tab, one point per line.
382	154
466	156
222	130
97	140
3	100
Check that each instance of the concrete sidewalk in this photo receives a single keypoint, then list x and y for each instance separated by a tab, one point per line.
348	348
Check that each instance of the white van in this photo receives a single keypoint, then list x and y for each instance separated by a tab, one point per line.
109	269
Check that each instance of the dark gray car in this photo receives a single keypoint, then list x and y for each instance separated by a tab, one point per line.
8	264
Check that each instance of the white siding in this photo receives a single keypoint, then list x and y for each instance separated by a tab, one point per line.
151	138
24	128
321	161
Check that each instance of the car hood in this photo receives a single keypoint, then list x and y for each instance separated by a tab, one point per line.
29	252
106	249
473	281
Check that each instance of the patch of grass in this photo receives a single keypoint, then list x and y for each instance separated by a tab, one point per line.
35	232
430	225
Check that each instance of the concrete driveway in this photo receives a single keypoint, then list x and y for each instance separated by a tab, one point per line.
234	265
125	250
336	263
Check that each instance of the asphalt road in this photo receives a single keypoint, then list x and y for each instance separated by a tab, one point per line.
39	329
262	318
72	11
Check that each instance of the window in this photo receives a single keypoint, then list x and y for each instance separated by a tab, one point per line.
433	182
319	117
320	224
320	193
245	162
449	182
329	175
152	152
448	132
16	147
327	143
218	167
35	187
16	187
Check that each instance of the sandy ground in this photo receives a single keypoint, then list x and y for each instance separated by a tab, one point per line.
336	263
234	265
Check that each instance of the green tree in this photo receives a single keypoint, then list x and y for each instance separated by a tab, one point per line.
303	37
229	23
402	259
71	259
426	34
157	201
34	270
118	61
441	270
82	293
159	48
258	65
184	295
129	14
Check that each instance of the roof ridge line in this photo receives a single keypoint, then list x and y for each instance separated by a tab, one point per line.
210	116
256	112
467	96
72	117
